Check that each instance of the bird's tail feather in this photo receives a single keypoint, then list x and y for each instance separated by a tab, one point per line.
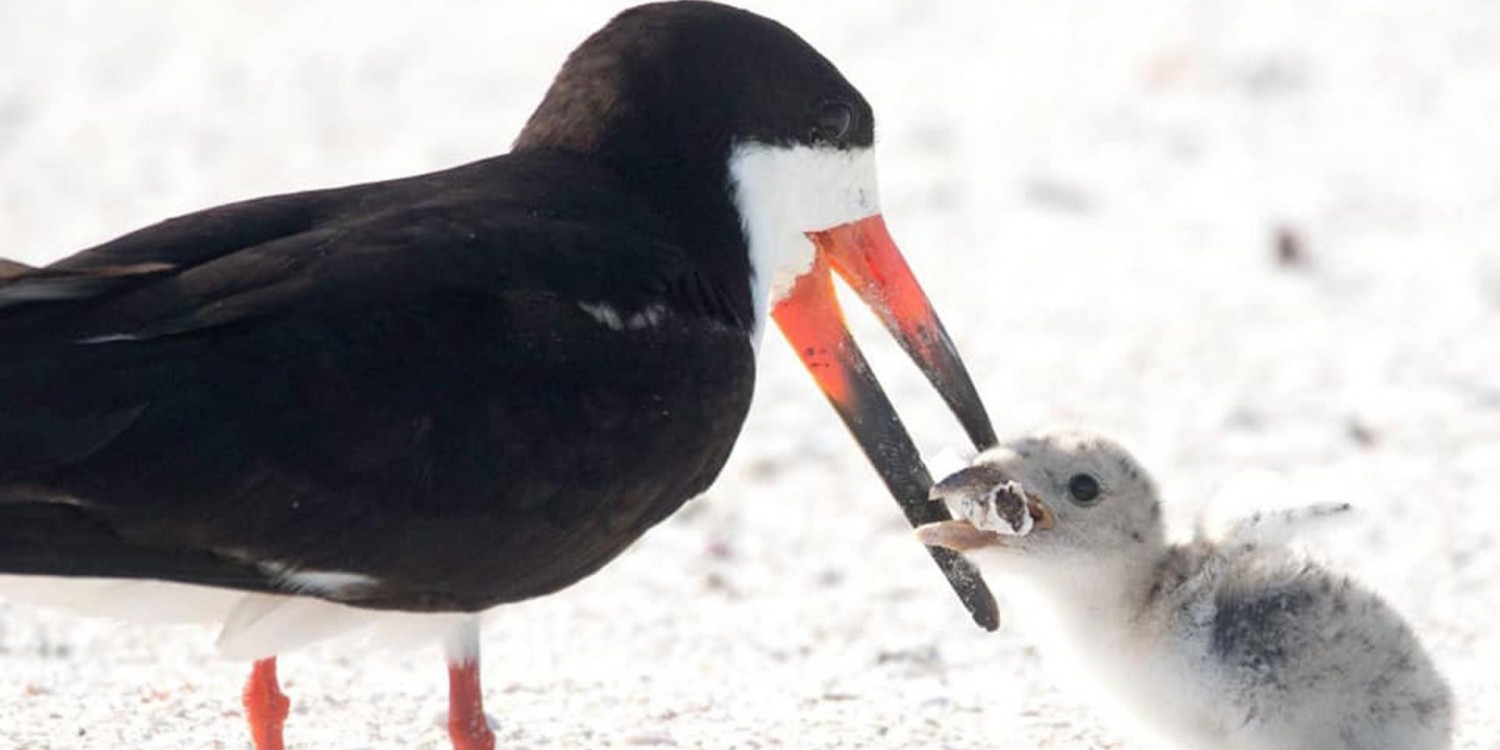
54	537
21	284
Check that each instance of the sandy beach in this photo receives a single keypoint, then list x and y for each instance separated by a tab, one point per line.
1259	244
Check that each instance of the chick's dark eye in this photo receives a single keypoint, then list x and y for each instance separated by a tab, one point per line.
1084	489
834	121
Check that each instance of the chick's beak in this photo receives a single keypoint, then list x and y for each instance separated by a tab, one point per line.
963	536
1041	513
957	536
865	256
974	487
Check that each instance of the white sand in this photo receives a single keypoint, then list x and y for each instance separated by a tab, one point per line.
1089	191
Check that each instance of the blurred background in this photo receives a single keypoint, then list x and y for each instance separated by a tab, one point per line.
1258	243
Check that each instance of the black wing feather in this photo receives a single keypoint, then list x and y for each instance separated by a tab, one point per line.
395	379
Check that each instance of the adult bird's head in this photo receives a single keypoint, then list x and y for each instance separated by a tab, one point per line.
759	156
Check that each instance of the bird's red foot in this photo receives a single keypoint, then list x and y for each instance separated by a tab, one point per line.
265	706
467	725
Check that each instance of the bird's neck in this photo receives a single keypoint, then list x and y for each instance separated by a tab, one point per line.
781	192
694	200
1094	601
1082	617
691	200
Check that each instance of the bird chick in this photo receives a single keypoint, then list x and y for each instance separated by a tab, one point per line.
1228	642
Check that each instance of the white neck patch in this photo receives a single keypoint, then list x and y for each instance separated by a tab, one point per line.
784	192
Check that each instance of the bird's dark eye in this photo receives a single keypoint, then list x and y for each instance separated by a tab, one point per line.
834	121
1084	489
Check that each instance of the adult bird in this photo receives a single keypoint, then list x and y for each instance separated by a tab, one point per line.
417	399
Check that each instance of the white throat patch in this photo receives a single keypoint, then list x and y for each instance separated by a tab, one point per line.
784	192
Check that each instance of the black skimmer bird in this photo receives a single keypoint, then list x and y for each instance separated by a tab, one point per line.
411	401
1230	641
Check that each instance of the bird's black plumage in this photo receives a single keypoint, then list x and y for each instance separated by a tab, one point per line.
402	379
464	388
399	381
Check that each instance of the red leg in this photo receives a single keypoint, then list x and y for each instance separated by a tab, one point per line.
467	725
265	706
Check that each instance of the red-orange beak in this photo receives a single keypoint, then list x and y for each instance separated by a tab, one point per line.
865	256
